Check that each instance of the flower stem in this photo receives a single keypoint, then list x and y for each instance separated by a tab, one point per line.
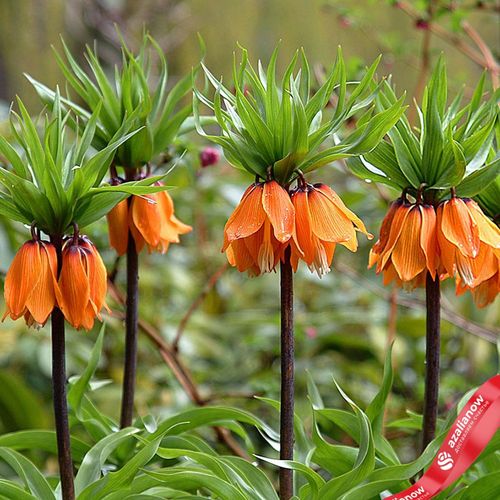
131	325
59	394
432	356
287	376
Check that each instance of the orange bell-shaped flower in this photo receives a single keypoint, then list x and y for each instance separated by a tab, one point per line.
151	221
469	242
407	247
118	227
484	293
31	284
260	228
322	221
82	283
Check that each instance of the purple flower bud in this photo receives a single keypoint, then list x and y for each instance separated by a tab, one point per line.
422	24
209	156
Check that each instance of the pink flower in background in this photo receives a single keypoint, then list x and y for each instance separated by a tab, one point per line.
209	156
311	332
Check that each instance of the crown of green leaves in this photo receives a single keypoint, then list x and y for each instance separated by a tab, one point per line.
276	127
51	181
126	96
451	147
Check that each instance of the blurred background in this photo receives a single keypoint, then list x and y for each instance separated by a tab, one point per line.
226	323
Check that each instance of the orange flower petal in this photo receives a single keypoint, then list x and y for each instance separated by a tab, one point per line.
279	208
458	226
484	266
428	238
447	250
146	218
171	227
373	258
489	232
180	227
97	277
385	228
395	232
329	223
23	273
408	257
139	241
295	255
486	292
323	256
334	197
239	256
303	227
118	227
248	216
266	257
390	274
42	299
88	317
73	295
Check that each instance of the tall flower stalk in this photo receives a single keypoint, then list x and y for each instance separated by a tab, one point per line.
157	114
55	188
275	130
287	373
439	233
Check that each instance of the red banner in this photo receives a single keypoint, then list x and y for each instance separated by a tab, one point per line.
470	433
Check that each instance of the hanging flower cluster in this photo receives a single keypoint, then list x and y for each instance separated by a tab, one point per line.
275	129
454	240
310	220
322	221
450	152
407	247
42	188
469	248
157	114
151	221
33	288
31	283
82	283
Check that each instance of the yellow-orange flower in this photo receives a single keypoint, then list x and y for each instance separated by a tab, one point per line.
30	284
322	221
484	293
469	242
260	228
82	283
118	227
407	247
151	221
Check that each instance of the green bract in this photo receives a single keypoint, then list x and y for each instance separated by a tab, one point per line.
156	113
51	181
452	147
489	199
278	124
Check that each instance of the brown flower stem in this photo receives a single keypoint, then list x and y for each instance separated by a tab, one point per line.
59	393
287	376
131	325
432	355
